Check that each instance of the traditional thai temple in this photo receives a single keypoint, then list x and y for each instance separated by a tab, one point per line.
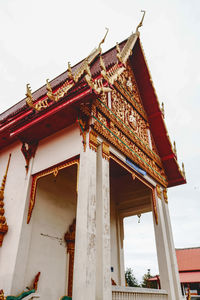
77	156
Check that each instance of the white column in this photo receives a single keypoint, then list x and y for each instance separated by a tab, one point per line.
120	236
84	279
172	252
164	259
103	272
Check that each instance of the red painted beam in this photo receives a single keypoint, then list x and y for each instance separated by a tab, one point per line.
49	113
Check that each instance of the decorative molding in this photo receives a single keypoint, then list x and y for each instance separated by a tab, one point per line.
158	191
154	203
105	150
53	170
126	146
70	241
93	143
127	49
165	195
2	297
124	124
40	105
72	79
83	122
28	150
3	223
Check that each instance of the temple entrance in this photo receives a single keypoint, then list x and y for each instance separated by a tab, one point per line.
52	241
130	196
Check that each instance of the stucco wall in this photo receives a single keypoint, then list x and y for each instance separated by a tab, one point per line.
14	200
54	212
14	252
57	148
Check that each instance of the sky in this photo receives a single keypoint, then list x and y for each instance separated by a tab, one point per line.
39	37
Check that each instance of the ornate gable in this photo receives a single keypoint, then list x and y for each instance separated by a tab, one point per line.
120	117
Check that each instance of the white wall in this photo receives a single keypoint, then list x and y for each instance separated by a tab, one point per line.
54	212
57	148
52	150
14	200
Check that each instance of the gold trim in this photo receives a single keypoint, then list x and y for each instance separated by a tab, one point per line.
158	191
123	144
122	126
105	150
154	202
93	140
165	195
53	170
42	104
3	223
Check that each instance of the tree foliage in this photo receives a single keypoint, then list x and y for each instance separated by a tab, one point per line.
130	278
145	281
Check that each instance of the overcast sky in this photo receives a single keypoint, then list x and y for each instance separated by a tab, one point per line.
39	37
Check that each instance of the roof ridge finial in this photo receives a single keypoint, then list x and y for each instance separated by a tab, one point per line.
141	22
103	40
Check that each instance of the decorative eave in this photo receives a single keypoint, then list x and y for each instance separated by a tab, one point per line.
156	117
63	96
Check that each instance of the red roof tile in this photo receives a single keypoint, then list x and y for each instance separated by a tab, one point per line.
188	259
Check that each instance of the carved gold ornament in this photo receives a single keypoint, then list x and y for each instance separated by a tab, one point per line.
72	79
105	150
93	140
40	105
154	202
54	171
165	195
70	241
2	297
158	191
3	223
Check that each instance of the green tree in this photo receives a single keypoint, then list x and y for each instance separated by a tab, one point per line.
130	278
145	281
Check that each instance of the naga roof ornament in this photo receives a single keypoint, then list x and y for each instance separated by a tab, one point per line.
69	83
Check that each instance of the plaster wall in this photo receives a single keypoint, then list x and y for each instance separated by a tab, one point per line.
14	204
54	212
114	242
57	148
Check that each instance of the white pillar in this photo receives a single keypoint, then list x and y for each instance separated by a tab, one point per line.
120	236
84	279
172	252
103	272
164	259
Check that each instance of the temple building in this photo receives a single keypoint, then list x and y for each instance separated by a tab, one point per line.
77	156
188	260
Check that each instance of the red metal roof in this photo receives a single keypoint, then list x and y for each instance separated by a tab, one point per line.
187	277
188	259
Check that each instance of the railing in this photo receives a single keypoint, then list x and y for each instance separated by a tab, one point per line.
128	293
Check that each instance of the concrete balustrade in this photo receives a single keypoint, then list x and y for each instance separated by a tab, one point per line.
128	293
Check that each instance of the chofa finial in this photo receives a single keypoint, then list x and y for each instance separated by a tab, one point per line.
141	22
103	40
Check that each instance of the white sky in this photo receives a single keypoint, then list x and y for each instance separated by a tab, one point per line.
39	37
